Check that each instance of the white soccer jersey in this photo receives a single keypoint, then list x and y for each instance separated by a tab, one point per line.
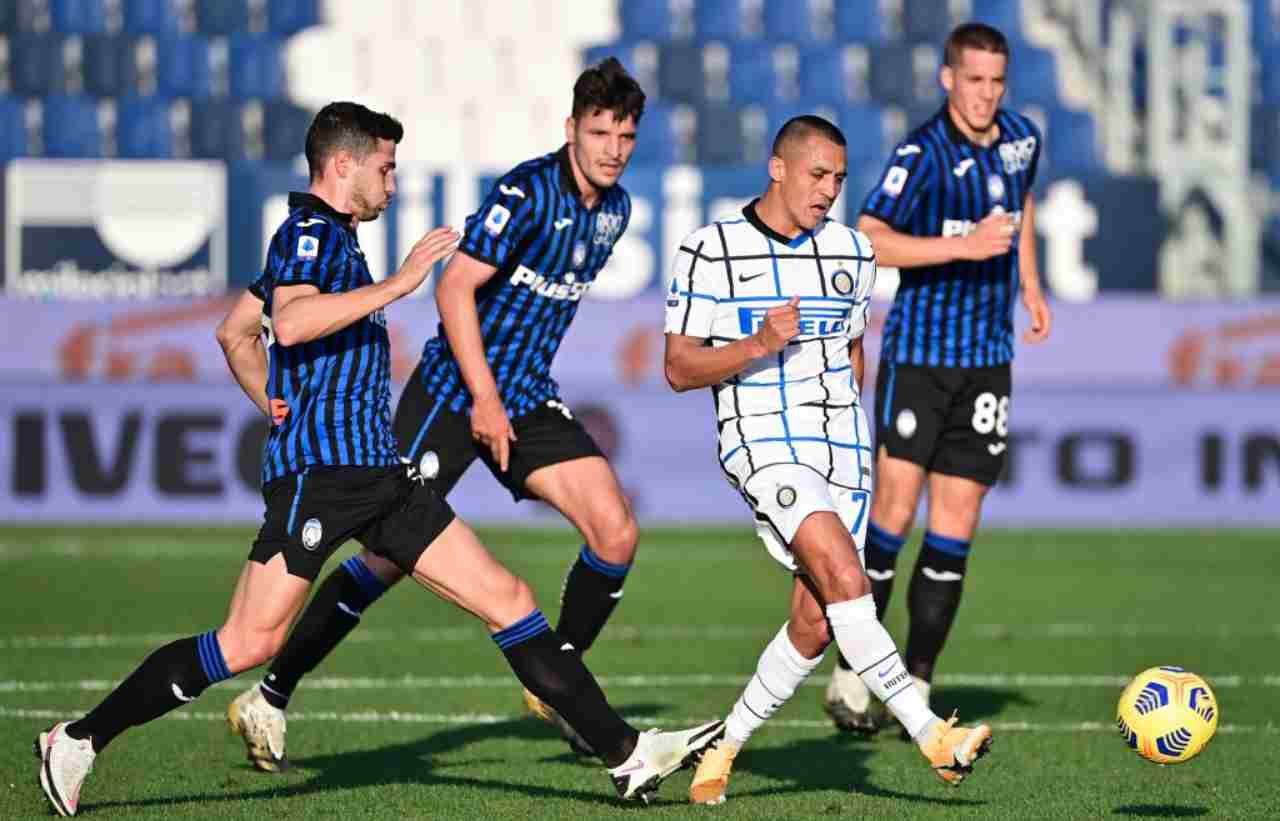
784	408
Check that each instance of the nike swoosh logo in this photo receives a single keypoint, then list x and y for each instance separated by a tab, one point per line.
886	671
963	167
631	768
616	595
311	222
908	150
177	691
941	575
566	646
745	278
880	575
511	191
997	449
561	224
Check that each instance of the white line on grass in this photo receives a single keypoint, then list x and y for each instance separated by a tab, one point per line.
1013	681
399	717
708	632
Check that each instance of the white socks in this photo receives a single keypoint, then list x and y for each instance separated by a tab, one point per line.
873	655
778	674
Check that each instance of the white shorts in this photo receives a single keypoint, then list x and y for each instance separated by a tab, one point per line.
821	463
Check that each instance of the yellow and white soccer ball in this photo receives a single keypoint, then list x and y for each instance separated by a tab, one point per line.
1167	715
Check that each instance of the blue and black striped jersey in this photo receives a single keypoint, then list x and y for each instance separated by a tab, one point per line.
547	248
338	387
938	183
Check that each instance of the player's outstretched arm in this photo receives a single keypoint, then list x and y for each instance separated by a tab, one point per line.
240	335
456	299
992	237
1029	277
300	313
691	363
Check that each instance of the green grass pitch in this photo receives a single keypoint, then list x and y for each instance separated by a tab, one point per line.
418	716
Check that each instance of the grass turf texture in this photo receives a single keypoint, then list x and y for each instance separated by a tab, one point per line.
80	607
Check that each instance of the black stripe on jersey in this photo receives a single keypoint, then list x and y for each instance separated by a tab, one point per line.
688	305
826	366
737	257
728	273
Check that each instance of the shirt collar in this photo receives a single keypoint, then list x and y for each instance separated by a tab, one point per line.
305	199
749	212
956	136
566	172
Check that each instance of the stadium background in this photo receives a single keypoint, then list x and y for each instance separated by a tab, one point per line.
147	149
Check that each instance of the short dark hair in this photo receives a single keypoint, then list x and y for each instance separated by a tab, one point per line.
607	86
349	127
798	128
973	35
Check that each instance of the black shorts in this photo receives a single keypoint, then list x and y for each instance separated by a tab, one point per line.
947	420
311	514
439	441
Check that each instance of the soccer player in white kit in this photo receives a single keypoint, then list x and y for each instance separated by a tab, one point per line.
768	309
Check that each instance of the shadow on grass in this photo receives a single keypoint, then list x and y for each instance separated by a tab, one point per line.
976	703
1160	811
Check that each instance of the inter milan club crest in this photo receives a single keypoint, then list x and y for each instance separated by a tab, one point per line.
842	281
786	496
995	187
579	253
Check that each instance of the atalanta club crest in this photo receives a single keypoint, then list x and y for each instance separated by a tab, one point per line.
579	254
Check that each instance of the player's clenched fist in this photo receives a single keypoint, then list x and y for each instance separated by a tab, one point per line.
992	237
780	325
435	246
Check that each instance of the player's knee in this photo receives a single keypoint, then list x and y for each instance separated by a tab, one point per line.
845	581
892	513
520	596
616	537
809	633
245	649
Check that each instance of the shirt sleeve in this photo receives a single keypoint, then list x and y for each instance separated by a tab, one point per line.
307	253
694	292
908	176
260	286
507	216
1035	157
865	283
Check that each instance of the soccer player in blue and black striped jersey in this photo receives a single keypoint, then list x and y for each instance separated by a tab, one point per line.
954	212
483	388
332	472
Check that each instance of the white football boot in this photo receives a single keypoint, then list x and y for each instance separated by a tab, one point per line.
65	762
849	703
658	755
262	728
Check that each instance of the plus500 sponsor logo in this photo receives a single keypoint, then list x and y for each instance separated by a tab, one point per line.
963	228
572	291
813	321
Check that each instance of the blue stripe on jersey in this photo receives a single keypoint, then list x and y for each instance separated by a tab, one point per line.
958	314
782	354
546	248
338	387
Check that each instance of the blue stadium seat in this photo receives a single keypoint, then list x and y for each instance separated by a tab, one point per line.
110	65
152	17
649	19
898	75
1264	141
36	64
143	129
182	66
860	21
928	20
1071	142
1005	15
863	127
661	139
22	15
1264	30
255	66
720	139
71	126
13	128
284	130
793	20
753	77
287	17
1269	75
836	74
680	74
217	130
639	57
78	16
222	17
724	20
1033	78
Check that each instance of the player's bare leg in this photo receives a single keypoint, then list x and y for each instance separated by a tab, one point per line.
458	568
826	551
899	485
783	666
588	494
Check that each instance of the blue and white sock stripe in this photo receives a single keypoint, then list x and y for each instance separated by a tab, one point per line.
591	560
211	660
531	625
370	585
883	540
942	544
